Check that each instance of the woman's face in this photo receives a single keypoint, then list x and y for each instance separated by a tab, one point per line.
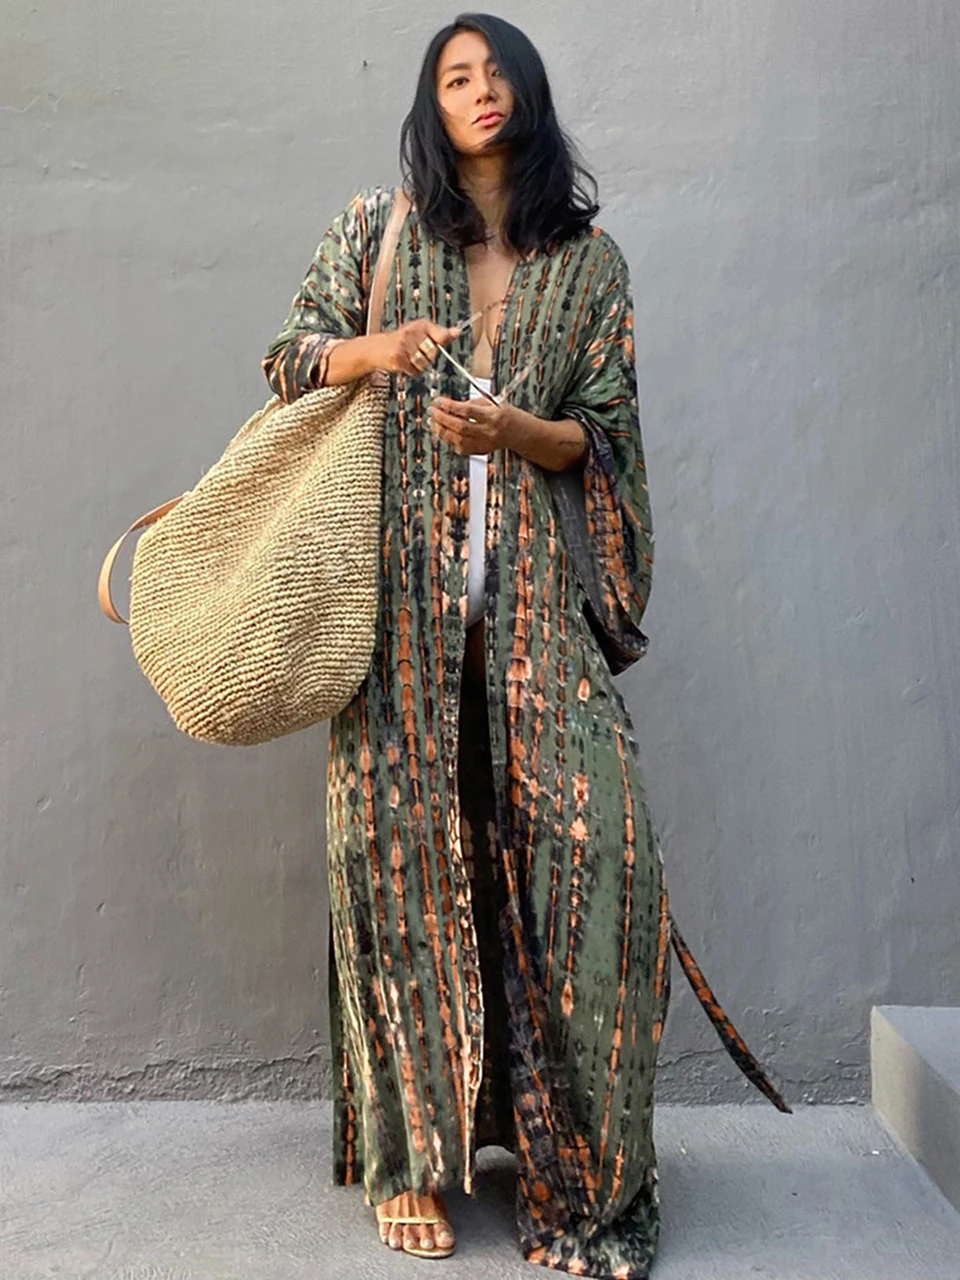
474	97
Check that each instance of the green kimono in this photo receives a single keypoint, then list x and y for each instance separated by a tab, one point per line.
499	918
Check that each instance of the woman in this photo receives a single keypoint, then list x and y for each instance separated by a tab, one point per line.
499	924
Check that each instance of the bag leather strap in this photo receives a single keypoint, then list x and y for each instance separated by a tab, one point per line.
104	592
388	248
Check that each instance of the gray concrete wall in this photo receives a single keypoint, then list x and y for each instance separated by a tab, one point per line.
784	179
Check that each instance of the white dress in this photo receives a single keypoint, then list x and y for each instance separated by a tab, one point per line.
477	524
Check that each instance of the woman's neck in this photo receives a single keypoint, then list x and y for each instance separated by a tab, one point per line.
485	180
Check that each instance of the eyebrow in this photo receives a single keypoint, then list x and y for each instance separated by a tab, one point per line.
464	66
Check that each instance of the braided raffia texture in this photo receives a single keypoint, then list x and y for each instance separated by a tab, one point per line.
253	603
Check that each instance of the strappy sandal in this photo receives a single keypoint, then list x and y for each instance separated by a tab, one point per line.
421	1221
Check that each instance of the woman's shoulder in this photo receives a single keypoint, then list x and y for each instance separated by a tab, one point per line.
593	247
369	209
602	247
377	196
360	222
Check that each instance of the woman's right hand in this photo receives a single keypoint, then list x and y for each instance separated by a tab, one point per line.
412	348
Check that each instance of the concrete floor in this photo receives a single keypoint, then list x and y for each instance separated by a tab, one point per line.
221	1191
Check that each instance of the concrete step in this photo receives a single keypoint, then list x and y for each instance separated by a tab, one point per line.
915	1083
233	1191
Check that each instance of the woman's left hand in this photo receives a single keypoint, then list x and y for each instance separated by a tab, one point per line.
491	428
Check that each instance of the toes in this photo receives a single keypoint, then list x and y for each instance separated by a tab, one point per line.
444	1236
424	1236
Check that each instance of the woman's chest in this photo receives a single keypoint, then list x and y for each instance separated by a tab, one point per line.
537	313
489	272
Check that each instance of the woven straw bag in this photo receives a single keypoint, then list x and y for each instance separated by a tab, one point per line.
254	596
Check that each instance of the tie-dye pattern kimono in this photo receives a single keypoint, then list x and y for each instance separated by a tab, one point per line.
500	931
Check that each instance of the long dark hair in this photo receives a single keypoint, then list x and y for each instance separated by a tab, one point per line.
548	201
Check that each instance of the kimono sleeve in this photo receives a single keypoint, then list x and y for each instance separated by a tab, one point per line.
615	557
330	305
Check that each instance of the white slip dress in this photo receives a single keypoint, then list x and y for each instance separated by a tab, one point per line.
477	524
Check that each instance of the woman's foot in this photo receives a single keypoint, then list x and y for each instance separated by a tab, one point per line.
431	1239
